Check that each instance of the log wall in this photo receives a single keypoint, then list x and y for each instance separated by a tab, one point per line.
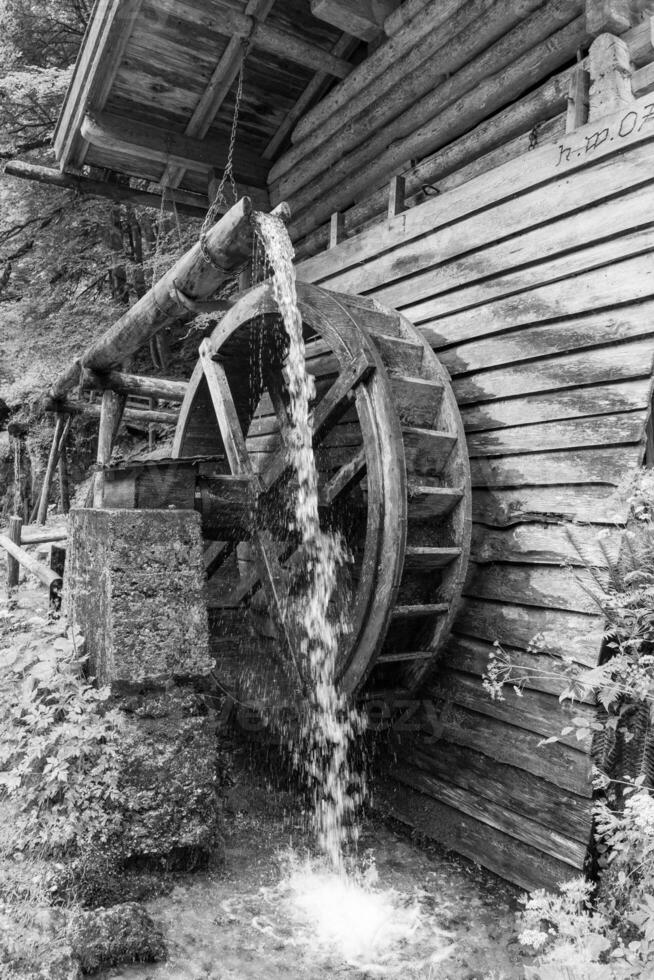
461	88
533	282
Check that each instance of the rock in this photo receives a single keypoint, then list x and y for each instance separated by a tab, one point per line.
110	937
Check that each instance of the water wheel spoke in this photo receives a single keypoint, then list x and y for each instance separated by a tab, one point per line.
276	389
226	414
274	584
343	479
328	410
215	555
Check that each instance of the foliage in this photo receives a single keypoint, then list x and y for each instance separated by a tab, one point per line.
59	751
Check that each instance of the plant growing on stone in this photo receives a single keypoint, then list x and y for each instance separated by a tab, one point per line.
59	753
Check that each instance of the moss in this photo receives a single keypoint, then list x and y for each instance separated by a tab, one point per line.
109	937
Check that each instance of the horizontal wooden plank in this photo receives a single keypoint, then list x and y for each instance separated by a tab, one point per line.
536	256
443	724
520	792
597	430
594	504
568	403
561	634
513	860
497	814
597	366
546	586
557	162
546	544
605	328
566	466
542	714
535	671
625	281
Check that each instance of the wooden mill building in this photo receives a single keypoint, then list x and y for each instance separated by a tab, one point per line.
484	169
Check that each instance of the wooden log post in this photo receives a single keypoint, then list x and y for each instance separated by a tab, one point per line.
110	418
53	458
13	568
610	76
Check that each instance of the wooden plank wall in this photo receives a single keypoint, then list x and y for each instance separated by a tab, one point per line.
534	284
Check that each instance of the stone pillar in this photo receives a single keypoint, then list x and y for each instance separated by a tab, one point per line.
135	589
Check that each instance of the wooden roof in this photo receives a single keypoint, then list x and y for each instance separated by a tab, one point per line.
153	91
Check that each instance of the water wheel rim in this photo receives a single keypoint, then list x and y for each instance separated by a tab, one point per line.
382	442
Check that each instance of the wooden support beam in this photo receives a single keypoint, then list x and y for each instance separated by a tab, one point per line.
122	135
182	201
44	574
72	406
136	384
360	18
13	568
336	229
217	89
610	76
577	111
228	244
608	16
37	536
110	418
64	487
396	192
53	459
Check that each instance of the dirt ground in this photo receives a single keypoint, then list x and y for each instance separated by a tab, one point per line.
265	914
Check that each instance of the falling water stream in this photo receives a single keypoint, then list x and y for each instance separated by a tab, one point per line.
335	902
321	747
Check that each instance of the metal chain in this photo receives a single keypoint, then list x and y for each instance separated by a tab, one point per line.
228	173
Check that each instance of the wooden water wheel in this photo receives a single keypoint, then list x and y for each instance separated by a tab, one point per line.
393	479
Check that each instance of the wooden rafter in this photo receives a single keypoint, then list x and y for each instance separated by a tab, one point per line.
120	134
362	18
216	91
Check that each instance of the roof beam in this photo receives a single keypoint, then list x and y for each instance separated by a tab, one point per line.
104	44
274	40
360	18
125	136
216	91
179	200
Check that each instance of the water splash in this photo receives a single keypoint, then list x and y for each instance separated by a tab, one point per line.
321	748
